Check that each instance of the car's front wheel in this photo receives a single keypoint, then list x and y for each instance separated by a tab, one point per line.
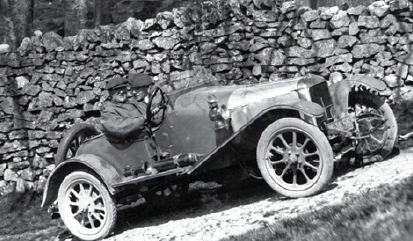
295	158
86	207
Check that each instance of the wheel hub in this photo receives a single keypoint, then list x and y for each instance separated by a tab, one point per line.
86	204
293	159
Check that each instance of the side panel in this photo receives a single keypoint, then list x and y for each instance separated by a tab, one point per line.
187	127
122	155
187	130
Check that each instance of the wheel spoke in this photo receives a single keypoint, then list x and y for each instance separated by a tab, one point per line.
305	175
285	170
283	141
96	198
76	194
77	213
81	138
93	193
72	151
381	128
310	165
277	149
277	162
294	176
369	144
311	154
100	208
82	189
294	144
98	217
73	203
304	144
376	139
74	145
90	219
83	220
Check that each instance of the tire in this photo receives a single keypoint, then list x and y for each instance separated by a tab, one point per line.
295	158
374	118
86	207
71	141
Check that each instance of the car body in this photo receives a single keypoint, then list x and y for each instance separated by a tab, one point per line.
290	132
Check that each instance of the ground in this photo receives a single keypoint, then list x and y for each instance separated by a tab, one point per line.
261	207
213	214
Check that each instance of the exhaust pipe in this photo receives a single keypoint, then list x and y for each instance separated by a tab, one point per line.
181	160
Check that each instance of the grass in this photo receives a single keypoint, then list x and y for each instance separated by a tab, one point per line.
21	214
385	213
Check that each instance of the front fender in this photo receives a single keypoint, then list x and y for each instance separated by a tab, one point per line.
107	173
246	114
340	91
243	119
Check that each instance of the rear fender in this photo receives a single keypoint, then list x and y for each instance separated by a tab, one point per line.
103	169
340	91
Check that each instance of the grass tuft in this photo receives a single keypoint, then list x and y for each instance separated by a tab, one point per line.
21	213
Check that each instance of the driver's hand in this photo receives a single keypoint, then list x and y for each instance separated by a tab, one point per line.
155	110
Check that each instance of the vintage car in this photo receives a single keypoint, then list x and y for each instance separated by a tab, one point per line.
289	132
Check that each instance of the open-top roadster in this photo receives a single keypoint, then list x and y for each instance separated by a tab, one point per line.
289	132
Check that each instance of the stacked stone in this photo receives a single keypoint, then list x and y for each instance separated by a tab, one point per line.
50	82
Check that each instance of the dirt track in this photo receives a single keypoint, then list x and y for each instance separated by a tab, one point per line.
221	214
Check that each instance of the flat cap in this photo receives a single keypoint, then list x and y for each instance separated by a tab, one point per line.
139	80
116	82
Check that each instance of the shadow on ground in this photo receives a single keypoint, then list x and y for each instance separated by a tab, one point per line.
195	203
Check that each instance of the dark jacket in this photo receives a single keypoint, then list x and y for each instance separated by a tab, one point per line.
123	121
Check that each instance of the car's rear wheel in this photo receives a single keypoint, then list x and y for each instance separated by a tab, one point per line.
376	126
71	141
86	207
295	158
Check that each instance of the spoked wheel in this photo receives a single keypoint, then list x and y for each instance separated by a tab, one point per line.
71	141
295	158
86	207
376	126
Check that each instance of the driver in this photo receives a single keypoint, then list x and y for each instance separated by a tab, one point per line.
121	118
140	86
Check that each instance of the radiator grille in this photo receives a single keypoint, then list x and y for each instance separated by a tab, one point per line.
319	94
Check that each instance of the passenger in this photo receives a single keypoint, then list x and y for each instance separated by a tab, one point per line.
121	119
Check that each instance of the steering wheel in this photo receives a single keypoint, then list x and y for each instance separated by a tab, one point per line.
155	120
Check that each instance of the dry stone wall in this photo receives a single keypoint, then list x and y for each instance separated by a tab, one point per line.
50	82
